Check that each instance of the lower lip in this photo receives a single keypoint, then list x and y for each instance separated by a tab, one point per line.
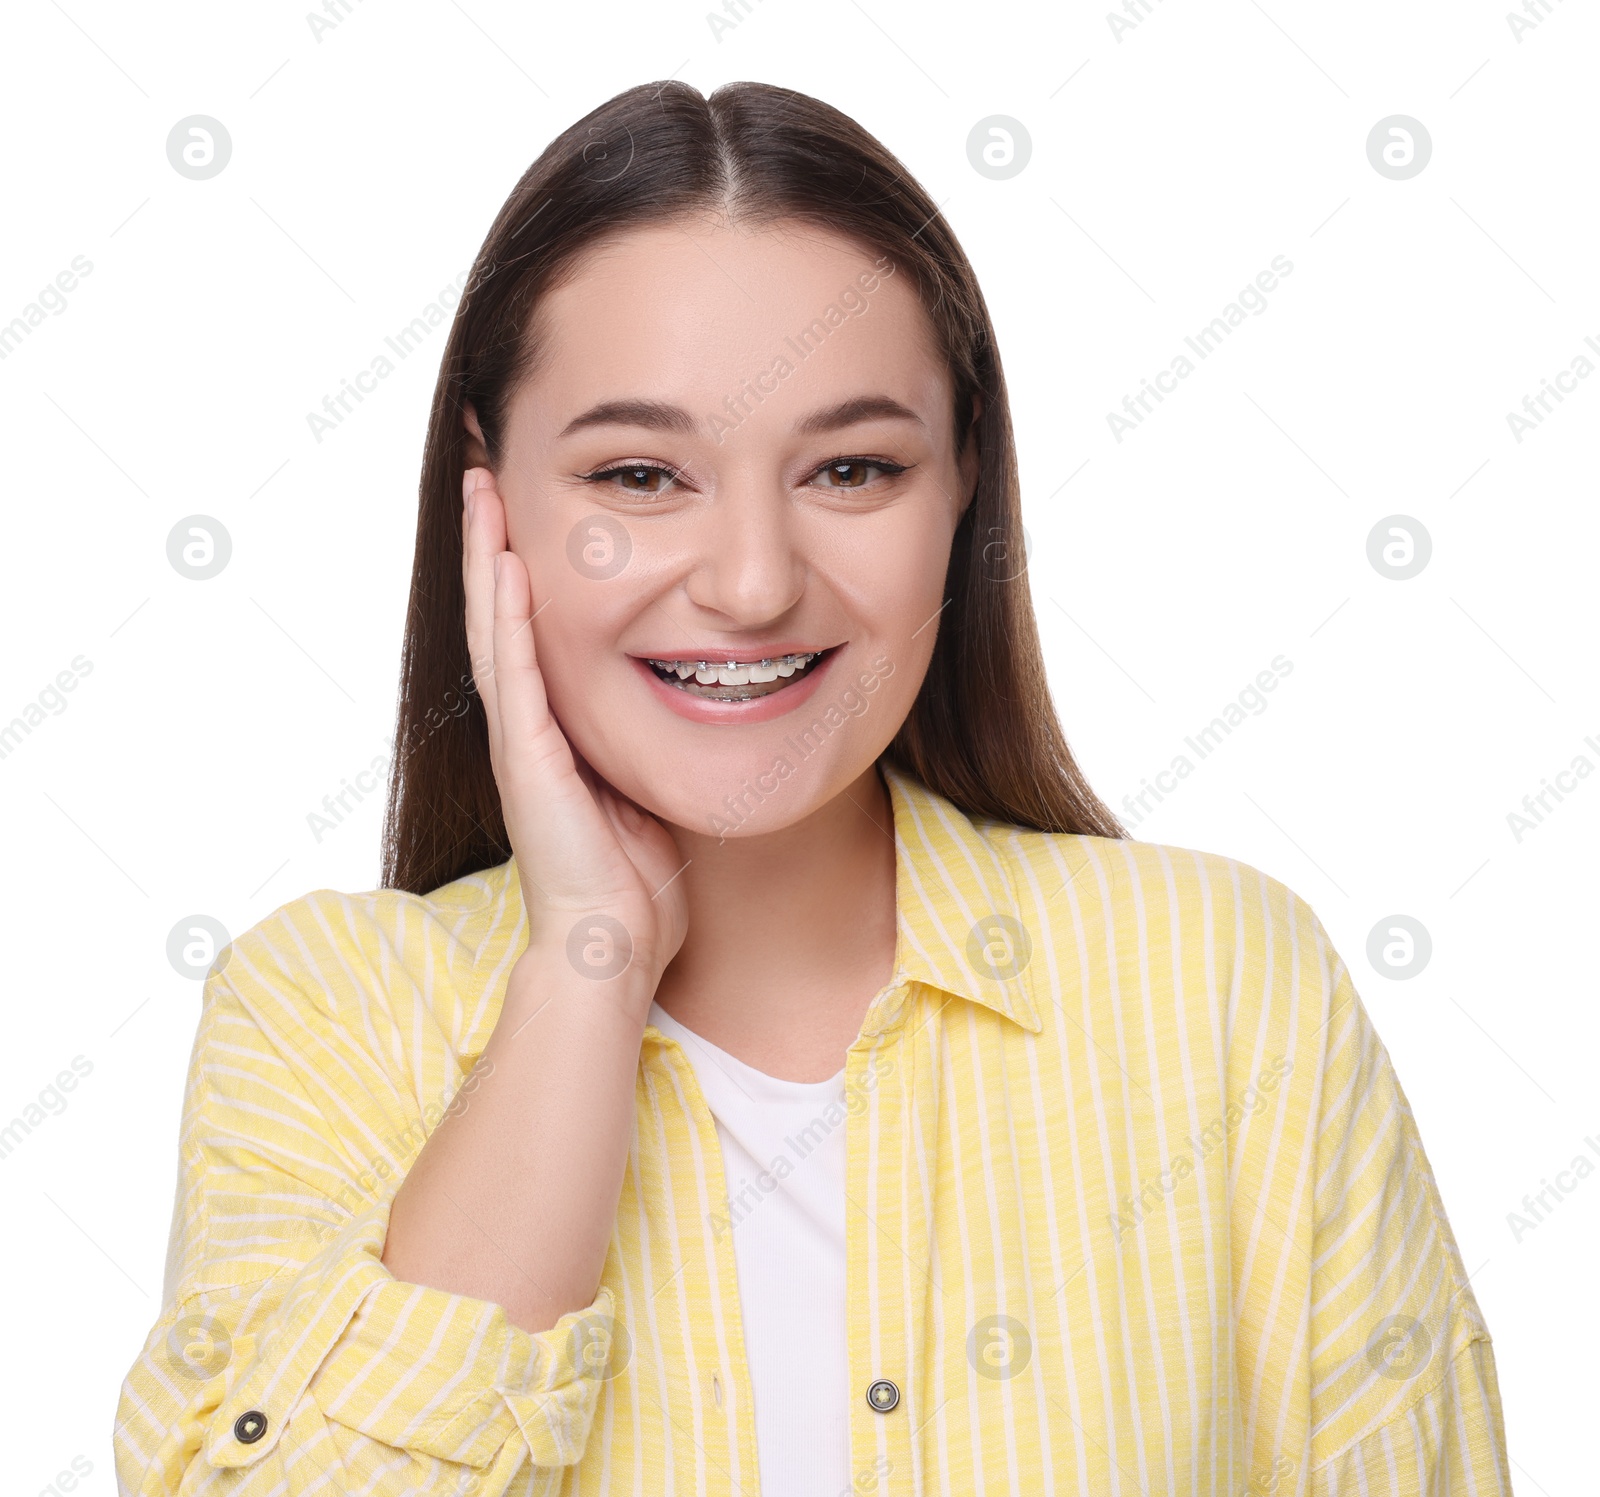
756	710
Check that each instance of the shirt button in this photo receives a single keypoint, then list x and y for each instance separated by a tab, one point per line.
248	1428
883	1395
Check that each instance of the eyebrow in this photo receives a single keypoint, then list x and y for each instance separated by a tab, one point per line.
858	408
654	414
657	415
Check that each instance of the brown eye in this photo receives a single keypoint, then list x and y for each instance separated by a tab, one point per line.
645	479
642	480
851	475
853	472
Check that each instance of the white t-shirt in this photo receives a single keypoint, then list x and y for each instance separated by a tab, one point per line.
783	1162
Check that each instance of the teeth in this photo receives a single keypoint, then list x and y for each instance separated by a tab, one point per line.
722	673
736	673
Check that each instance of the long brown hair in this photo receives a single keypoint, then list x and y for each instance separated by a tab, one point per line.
982	732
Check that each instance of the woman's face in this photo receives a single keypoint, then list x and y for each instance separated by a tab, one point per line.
736	447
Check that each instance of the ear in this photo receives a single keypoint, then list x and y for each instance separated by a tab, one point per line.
967	463
477	455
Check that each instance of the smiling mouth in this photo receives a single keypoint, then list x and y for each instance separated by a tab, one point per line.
738	680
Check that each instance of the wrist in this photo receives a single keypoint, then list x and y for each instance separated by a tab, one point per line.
603	982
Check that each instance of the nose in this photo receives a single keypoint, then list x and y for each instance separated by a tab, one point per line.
747	566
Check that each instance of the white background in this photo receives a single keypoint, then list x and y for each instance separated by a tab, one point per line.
1167	169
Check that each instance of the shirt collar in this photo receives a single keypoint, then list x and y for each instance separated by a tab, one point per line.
957	922
957	927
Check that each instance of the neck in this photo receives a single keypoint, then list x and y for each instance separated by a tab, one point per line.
791	934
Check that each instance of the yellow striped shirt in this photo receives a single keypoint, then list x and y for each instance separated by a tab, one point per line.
1135	1205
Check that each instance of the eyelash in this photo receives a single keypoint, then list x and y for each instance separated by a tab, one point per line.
889	470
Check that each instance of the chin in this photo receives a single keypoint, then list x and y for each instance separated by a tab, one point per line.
726	795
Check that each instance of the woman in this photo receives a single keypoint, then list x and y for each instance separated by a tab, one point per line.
768	1065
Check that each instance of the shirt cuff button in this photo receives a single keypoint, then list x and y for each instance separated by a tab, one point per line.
883	1395
249	1427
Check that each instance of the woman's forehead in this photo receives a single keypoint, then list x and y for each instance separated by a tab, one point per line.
693	313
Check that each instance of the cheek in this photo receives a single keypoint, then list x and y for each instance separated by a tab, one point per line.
897	592
577	621
897	582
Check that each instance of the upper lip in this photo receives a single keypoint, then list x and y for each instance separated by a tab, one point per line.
744	654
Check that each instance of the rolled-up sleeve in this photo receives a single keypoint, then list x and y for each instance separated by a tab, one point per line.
1404	1399
288	1358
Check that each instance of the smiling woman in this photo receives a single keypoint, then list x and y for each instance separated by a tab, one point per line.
767	1064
